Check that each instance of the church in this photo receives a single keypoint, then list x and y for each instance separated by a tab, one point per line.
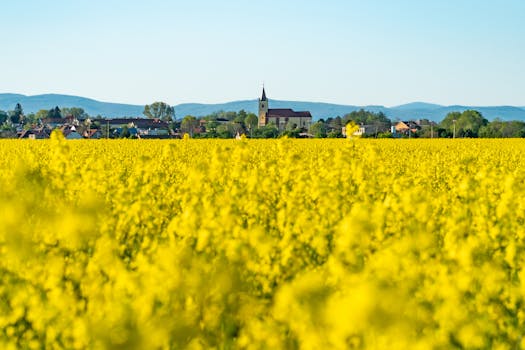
282	118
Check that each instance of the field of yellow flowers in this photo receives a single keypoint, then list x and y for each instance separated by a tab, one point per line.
262	244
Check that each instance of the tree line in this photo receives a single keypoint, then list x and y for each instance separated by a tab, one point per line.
228	124
469	123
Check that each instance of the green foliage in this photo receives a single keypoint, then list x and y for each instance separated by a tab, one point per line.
251	121
30	119
335	124
334	135
385	135
159	110
54	113
292	133
188	124
269	131
498	128
225	131
211	127
366	117
17	114
318	129
75	112
240	117
379	121
467	124
41	114
222	115
3	117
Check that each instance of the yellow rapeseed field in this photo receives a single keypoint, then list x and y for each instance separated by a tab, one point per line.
262	244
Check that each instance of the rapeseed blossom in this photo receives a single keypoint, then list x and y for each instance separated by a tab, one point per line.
256	244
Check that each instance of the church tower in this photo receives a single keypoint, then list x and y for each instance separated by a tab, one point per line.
263	108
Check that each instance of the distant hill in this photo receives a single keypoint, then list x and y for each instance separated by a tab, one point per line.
318	110
48	101
418	105
415	110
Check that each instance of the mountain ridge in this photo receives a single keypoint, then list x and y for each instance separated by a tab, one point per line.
412	110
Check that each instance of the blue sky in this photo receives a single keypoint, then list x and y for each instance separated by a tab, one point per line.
349	52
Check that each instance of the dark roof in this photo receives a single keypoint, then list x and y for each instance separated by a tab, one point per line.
54	121
411	124
263	98
157	137
141	123
287	113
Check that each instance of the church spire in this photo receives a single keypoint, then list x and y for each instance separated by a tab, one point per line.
263	98
263	108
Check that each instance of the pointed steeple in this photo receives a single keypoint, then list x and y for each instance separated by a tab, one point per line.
263	98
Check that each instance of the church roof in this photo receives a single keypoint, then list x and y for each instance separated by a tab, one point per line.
287	113
263	98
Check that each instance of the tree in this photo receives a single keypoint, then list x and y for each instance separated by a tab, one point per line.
466	124
159	110
17	115
3	117
240	117
499	128
227	115
470	122
366	117
447	124
7	130
211	128
41	114
291	130
335	126
225	131
361	117
251	122
54	113
269	131
513	128
318	129
188	124
334	134
75	112
30	119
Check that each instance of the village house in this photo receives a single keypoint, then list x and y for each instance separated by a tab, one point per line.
73	128
366	130
40	132
92	134
137	127
406	127
143	126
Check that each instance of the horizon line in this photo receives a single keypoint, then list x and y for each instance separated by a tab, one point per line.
274	99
